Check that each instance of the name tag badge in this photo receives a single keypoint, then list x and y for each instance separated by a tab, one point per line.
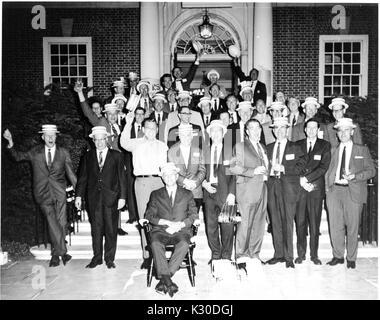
226	162
320	134
196	154
317	157
359	157
290	156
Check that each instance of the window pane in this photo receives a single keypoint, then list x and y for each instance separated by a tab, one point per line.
328	80
55	71
356	47
65	80
337	58
54	60
356	57
72	48
64	60
73	80
82	71
63	48
64	71
337	47
73	60
356	68
354	91
85	82
56	80
355	80
347	68
338	69
328	69
73	71
346	80
346	91
328	47
82	49
328	58
347	47
347	58
327	91
336	91
337	80
54	49
82	60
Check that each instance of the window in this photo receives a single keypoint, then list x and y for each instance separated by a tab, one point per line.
66	59
343	66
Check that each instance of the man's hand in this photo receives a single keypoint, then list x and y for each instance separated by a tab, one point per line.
230	199
8	136
303	181
208	187
78	87
120	204
278	167
189	184
78	203
349	176
260	170
129	118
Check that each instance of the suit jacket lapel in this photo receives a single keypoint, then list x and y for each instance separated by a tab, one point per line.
42	159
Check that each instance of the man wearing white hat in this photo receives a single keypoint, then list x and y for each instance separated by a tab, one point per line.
213	76
181	82
50	165
205	110
145	101
219	187
172	211
172	104
276	110
159	115
258	87
133	80
102	182
189	160
346	192
148	155
286	163
111	111
118	86
338	107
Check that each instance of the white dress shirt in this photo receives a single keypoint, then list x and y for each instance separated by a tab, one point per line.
136	126
52	152
185	150
234	116
312	144
171	106
172	192
242	130
215	104
254	85
161	113
178	85
282	150
219	148
348	146
104	155
207	117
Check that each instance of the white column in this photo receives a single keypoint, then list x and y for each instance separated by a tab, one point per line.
263	45
149	42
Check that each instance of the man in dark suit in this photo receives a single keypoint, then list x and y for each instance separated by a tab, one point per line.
232	102
217	104
102	180
172	211
258	87
346	192
287	161
219	188
182	83
50	164
312	181
250	166
204	107
159	115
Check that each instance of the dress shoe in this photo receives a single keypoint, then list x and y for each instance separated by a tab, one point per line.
316	261
66	258
275	260
121	232
335	261
172	289
54	261
145	264
299	260
290	264
351	264
161	288
110	265
93	264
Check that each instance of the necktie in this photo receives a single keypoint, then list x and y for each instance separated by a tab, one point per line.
158	118
215	160
261	155
145	105
49	159
294	121
215	105
231	118
172	108
343	164
207	120
310	148
114	131
100	160
138	129
171	198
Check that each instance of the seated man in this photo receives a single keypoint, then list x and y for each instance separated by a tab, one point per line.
172	211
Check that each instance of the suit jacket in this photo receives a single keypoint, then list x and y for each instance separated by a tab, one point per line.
231	138
248	185
361	164
317	164
331	135
186	80
159	207
107	185
297	132
113	141
222	107
268	133
150	107
128	92
260	91
226	180
161	127
212	116
195	169
294	161
49	185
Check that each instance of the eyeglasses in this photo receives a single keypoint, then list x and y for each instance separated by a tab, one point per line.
186	113
95	140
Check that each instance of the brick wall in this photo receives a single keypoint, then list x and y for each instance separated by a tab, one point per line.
115	43
296	33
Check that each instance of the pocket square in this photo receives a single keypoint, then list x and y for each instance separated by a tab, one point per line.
317	157
290	156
